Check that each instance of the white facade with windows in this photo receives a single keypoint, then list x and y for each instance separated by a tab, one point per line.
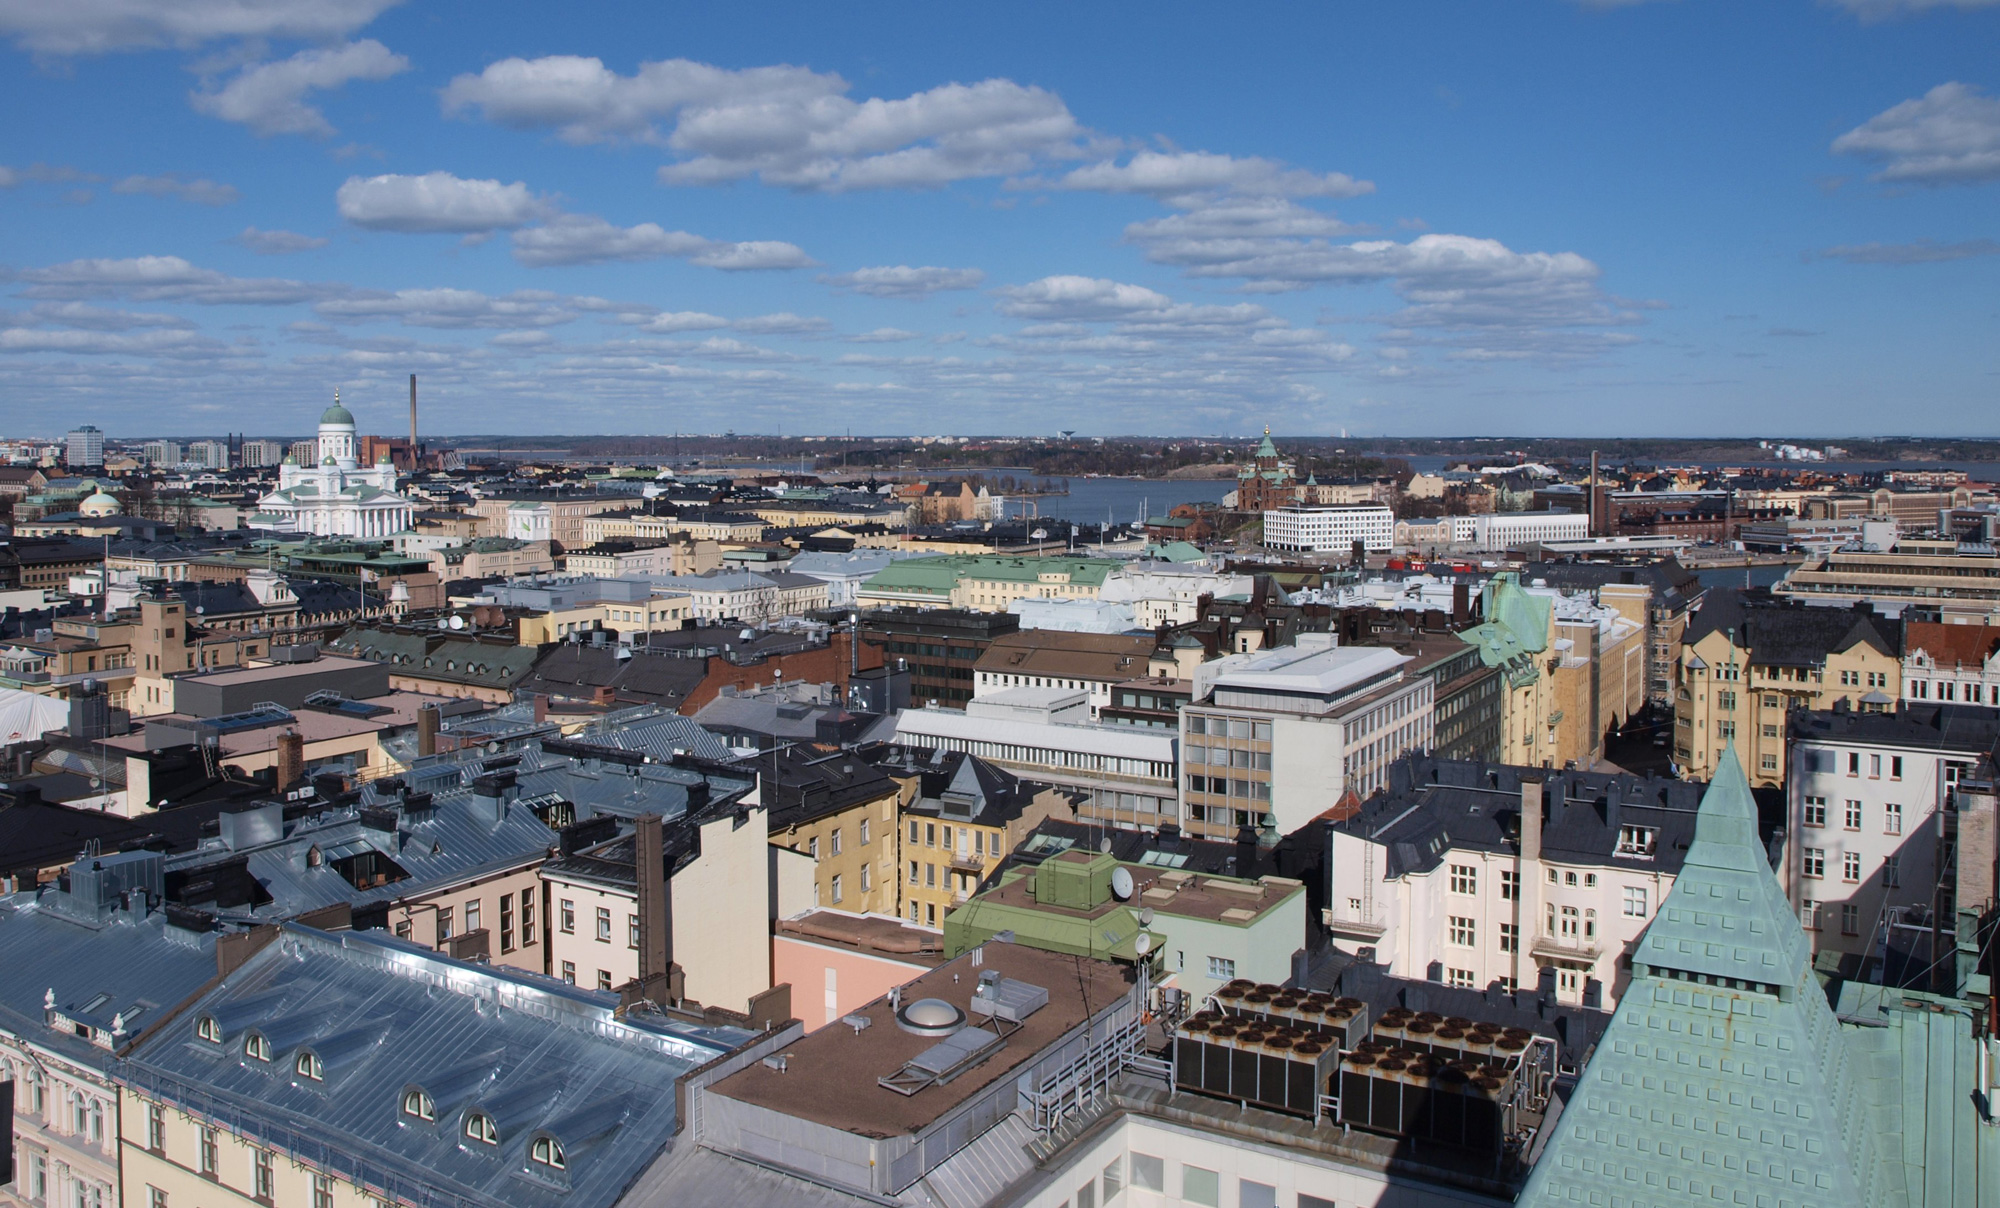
1941	678
337	496
1301	529
1505	530
1863	799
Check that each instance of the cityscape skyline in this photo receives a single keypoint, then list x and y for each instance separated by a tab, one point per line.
1596	219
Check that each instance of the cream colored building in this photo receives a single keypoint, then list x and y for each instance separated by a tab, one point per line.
1743	670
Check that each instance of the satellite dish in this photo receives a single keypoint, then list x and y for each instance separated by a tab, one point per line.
1146	916
1142	943
1121	882
458	622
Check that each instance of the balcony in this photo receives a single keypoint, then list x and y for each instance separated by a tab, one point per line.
1565	948
1353	929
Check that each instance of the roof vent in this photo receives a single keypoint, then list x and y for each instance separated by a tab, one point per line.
1007	998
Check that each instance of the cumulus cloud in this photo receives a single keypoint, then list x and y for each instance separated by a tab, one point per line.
786	126
884	335
1948	136
103	343
1079	298
163	279
587	239
438	201
200	190
783	323
1923	251
70	27
903	281
682	320
93	318
450	308
278	243
270	97
44	174
1186	173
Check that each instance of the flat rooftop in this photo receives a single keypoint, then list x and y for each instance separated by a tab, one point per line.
1171	891
263	673
873	934
1316	672
831	1074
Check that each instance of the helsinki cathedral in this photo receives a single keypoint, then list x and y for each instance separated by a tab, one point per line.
337	497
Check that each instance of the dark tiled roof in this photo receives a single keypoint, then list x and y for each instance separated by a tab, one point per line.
1793	635
1926	727
1435	805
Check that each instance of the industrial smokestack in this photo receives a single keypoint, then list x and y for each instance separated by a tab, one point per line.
413	421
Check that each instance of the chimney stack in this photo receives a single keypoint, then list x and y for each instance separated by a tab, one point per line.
427	730
291	760
413	422
656	916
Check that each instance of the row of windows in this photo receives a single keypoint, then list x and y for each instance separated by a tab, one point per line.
1228	727
1850	916
1814	861
1853	814
1950	690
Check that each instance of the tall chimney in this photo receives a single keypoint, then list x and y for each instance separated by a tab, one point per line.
1531	821
427	730
291	759
1593	471
656	916
413	423
1527	873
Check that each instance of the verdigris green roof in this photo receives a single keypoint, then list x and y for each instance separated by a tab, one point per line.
1724	1076
941	573
1919	1056
1514	628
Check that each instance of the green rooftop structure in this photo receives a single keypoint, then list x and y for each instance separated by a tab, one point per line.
1724	1077
1514	627
931	582
1196	931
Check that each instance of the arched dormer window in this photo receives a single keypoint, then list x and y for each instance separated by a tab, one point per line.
480	1127
418	1106
547	1151
256	1047
309	1067
207	1029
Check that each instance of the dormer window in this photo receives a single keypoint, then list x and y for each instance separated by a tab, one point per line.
547	1151
1636	840
418	1105
256	1047
207	1029
308	1067
479	1127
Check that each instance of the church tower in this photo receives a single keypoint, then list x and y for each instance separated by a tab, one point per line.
337	442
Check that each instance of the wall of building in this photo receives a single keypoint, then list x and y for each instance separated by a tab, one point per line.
174	1169
828	981
478	905
575	951
721	938
49	1147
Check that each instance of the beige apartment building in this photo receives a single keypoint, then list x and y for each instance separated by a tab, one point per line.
1744	669
962	818
1962	587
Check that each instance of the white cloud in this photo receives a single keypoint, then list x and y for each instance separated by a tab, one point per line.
903	281
782	323
1923	251
278	243
164	279
437	201
587	239
101	343
786	126
460	308
201	190
1185	173
1948	136
270	97
92	318
1079	298
1877	10
45	174
884	335
95	26
682	320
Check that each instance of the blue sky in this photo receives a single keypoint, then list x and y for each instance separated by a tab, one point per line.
1537	217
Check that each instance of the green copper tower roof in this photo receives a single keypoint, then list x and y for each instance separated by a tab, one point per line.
1267	449
1514	627
1724	1077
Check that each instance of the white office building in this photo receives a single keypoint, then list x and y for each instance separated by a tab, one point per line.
85	447
162	452
1292	730
1506	530
262	453
1300	529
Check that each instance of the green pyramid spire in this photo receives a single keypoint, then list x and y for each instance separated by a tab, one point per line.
1724	1077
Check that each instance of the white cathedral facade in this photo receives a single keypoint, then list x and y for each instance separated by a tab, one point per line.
338	497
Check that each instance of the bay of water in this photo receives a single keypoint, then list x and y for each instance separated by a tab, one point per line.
1127	499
